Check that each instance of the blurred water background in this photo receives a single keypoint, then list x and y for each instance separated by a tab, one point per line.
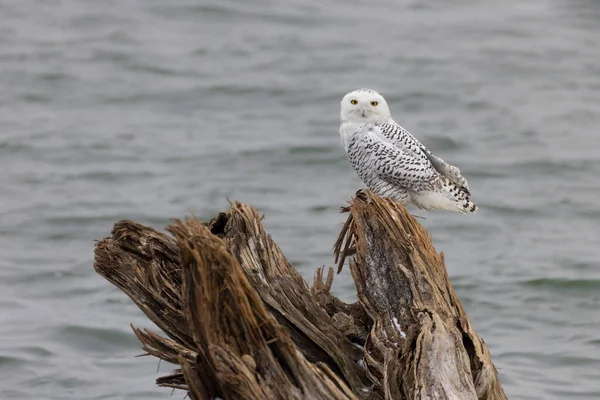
149	110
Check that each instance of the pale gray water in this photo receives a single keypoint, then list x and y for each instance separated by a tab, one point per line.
151	109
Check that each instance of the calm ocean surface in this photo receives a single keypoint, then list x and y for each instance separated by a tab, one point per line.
149	110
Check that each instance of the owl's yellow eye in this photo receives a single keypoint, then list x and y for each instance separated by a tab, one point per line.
353	101
374	103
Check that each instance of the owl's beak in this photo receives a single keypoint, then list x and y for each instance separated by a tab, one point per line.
364	113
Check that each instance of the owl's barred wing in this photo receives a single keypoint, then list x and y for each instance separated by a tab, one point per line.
396	165
402	138
449	171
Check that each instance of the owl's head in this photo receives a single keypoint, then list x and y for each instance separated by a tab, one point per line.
364	106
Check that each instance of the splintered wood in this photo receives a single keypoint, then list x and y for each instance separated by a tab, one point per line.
241	323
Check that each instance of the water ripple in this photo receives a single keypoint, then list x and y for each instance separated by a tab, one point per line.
154	110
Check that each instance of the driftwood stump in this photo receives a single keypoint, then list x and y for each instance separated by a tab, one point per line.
242	323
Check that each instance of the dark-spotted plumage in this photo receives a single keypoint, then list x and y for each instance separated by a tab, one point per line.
394	164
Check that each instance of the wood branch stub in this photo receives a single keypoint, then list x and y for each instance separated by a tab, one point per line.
242	351
146	265
284	290
403	285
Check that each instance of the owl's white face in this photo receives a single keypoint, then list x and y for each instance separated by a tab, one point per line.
364	106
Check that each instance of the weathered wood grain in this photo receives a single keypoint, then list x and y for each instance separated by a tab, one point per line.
242	323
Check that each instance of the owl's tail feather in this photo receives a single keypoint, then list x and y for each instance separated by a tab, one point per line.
451	198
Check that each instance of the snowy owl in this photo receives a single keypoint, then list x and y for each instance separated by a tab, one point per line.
392	163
